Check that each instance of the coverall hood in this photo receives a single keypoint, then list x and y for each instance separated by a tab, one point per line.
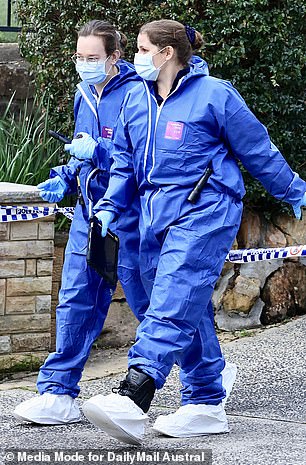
198	66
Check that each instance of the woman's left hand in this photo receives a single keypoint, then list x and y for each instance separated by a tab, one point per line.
82	147
297	208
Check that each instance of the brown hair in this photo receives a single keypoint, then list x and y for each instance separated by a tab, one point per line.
166	32
112	39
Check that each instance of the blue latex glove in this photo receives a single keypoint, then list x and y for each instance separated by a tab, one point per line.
297	208
105	219
82	147
53	190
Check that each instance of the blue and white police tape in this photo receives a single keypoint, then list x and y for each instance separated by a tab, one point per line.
26	213
256	255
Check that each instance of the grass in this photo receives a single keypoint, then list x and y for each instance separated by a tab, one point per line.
7	36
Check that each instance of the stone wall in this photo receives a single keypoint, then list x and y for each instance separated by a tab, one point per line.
14	78
26	262
266	292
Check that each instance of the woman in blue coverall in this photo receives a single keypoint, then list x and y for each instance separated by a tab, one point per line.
172	127
85	297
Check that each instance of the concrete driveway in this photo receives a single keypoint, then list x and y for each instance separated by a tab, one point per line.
266	411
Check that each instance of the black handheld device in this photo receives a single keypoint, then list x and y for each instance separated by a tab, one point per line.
102	252
59	136
196	191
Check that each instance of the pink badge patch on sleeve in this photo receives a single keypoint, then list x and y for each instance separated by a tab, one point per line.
174	130
107	132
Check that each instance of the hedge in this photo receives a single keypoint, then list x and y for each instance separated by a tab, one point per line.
256	44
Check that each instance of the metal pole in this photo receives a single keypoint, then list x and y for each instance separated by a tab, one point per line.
9	12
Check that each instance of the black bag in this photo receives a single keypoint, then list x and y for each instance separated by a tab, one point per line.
102	252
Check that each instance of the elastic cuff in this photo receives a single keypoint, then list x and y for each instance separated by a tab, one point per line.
151	369
58	390
295	190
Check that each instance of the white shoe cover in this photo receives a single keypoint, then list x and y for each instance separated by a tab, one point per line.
228	373
117	416
193	420
49	409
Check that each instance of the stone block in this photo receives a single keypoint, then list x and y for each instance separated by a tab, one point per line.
46	230
284	293
221	287
11	324
4	231
23	230
9	52
249	234
2	296
30	267
25	304
21	193
238	321
26	249
293	229
60	239
5	345
43	304
55	290
44	267
47	219
58	263
260	270
11	268
5	363
120	326
21	362
15	78
53	306
28	286
30	342
274	237
53	336
242	295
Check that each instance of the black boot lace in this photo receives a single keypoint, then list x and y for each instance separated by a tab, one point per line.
123	387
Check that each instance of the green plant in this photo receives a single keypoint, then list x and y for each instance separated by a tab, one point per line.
257	44
26	150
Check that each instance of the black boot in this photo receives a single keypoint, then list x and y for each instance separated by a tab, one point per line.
139	387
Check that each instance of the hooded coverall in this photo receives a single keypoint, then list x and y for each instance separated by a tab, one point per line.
84	296
163	150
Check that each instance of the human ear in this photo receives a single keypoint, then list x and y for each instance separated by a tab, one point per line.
169	52
115	56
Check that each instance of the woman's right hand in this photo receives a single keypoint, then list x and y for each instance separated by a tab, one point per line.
53	190
105	218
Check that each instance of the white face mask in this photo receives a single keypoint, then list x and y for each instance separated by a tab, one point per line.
92	73
145	67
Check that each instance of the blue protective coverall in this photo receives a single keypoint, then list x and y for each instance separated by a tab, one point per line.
163	151
84	297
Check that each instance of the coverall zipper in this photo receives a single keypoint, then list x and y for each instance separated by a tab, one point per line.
159	109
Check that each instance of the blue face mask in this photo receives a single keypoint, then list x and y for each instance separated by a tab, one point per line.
92	73
145	67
